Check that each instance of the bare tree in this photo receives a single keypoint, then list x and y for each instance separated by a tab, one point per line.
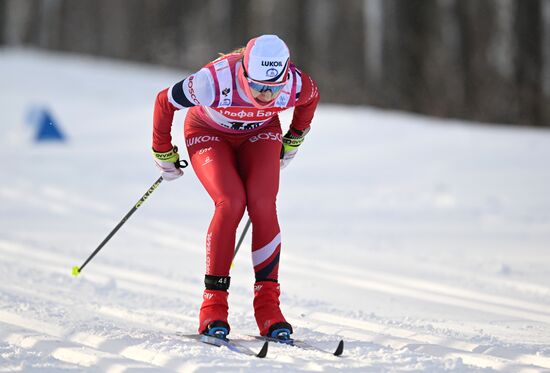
486	60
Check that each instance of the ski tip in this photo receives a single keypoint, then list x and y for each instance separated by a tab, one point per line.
340	348
263	351
76	271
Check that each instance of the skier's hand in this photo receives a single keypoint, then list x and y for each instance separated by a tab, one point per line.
291	141
168	162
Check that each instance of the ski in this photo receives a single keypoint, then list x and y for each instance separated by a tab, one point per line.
228	343
303	344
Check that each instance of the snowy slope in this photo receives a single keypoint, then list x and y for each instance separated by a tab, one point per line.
423	243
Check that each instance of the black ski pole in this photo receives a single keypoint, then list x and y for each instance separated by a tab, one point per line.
241	239
77	269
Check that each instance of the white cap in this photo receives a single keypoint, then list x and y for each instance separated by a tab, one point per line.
266	58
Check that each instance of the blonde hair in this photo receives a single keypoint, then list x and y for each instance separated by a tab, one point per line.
239	50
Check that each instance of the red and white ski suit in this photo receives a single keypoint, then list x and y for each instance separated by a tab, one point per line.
234	149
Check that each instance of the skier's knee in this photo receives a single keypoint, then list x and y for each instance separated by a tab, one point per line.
261	207
232	208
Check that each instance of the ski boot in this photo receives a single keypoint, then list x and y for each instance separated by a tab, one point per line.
266	309
214	308
218	329
281	331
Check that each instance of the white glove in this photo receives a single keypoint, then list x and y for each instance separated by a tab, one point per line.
291	141
287	156
168	163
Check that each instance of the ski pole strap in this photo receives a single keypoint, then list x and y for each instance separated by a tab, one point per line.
182	163
171	156
216	282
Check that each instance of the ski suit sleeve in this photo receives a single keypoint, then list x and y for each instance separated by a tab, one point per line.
305	105
195	90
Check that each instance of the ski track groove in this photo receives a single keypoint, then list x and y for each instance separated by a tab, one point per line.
27	335
474	354
378	282
54	199
134	351
66	344
430	287
396	338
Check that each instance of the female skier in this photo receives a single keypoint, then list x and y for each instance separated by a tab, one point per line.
235	144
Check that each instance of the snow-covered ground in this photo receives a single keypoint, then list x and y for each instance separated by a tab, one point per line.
423	243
